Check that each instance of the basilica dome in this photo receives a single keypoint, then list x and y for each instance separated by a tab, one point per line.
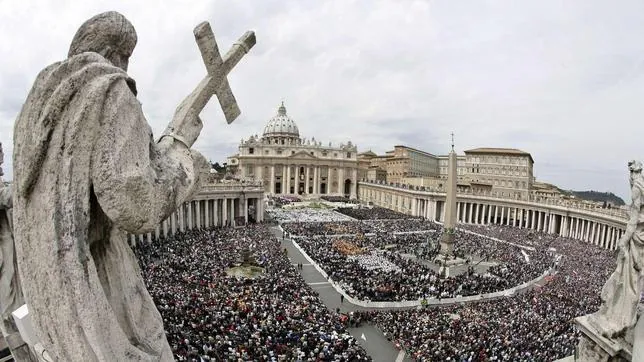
281	125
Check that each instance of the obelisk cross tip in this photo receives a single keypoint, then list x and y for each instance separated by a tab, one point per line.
219	68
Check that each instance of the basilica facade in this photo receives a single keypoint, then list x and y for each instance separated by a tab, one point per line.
290	165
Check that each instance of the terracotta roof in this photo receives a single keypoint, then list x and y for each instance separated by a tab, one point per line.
500	151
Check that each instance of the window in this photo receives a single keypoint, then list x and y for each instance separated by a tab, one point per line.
335	155
348	154
279	152
251	150
292	152
266	152
312	153
282	141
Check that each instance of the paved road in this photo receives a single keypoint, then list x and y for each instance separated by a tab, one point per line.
374	342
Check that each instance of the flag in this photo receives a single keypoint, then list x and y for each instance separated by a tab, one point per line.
363	337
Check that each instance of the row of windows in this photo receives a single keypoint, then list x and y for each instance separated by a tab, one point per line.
251	151
512	160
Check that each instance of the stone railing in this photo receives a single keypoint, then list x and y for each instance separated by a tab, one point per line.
571	204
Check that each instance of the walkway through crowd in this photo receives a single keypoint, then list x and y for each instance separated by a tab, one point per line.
370	337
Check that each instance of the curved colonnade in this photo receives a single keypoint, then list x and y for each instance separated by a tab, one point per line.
216	204
574	220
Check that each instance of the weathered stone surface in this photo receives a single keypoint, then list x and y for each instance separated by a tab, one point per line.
10	292
86	171
621	293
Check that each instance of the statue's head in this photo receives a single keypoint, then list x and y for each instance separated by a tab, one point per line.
109	34
635	169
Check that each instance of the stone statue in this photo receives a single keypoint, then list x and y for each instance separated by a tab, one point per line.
86	171
621	293
10	291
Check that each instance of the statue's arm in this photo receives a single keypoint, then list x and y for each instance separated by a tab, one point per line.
636	206
138	183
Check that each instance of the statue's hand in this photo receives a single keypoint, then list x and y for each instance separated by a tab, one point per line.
185	127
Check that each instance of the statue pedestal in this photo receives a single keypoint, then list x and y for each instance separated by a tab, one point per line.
593	347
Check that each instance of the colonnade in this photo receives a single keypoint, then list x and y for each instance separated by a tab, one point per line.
600	229
216	211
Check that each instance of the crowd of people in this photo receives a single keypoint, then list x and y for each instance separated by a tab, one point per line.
373	213
211	316
390	276
533	326
306	215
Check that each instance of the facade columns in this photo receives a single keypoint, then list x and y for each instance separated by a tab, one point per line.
306	180
272	181
288	179
316	180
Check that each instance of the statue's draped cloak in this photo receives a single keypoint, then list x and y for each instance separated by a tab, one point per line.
621	293
86	171
10	293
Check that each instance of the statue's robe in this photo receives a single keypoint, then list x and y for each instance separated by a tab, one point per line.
621	293
86	171
10	294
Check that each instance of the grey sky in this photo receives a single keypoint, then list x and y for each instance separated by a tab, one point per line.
561	80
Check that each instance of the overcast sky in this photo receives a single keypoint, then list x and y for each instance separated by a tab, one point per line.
561	80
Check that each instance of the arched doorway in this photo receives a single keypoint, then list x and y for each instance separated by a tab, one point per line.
347	187
323	188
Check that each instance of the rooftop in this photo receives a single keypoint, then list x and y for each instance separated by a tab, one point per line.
500	151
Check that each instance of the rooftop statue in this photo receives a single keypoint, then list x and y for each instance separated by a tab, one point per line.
87	171
621	293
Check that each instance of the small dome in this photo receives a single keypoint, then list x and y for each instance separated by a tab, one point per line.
281	125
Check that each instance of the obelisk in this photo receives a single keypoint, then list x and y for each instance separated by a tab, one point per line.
449	226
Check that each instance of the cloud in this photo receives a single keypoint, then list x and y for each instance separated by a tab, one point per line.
562	80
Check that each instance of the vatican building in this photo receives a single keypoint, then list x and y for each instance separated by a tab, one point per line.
288	164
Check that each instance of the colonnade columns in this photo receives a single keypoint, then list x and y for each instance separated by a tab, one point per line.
458	211
199	224
207	214
476	212
245	211
224	211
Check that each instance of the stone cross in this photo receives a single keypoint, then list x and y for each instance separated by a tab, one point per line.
215	82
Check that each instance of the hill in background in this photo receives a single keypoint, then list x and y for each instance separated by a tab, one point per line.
608	197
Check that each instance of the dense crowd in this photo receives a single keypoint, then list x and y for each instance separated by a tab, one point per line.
391	276
306	215
533	326
373	213
210	316
338	199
